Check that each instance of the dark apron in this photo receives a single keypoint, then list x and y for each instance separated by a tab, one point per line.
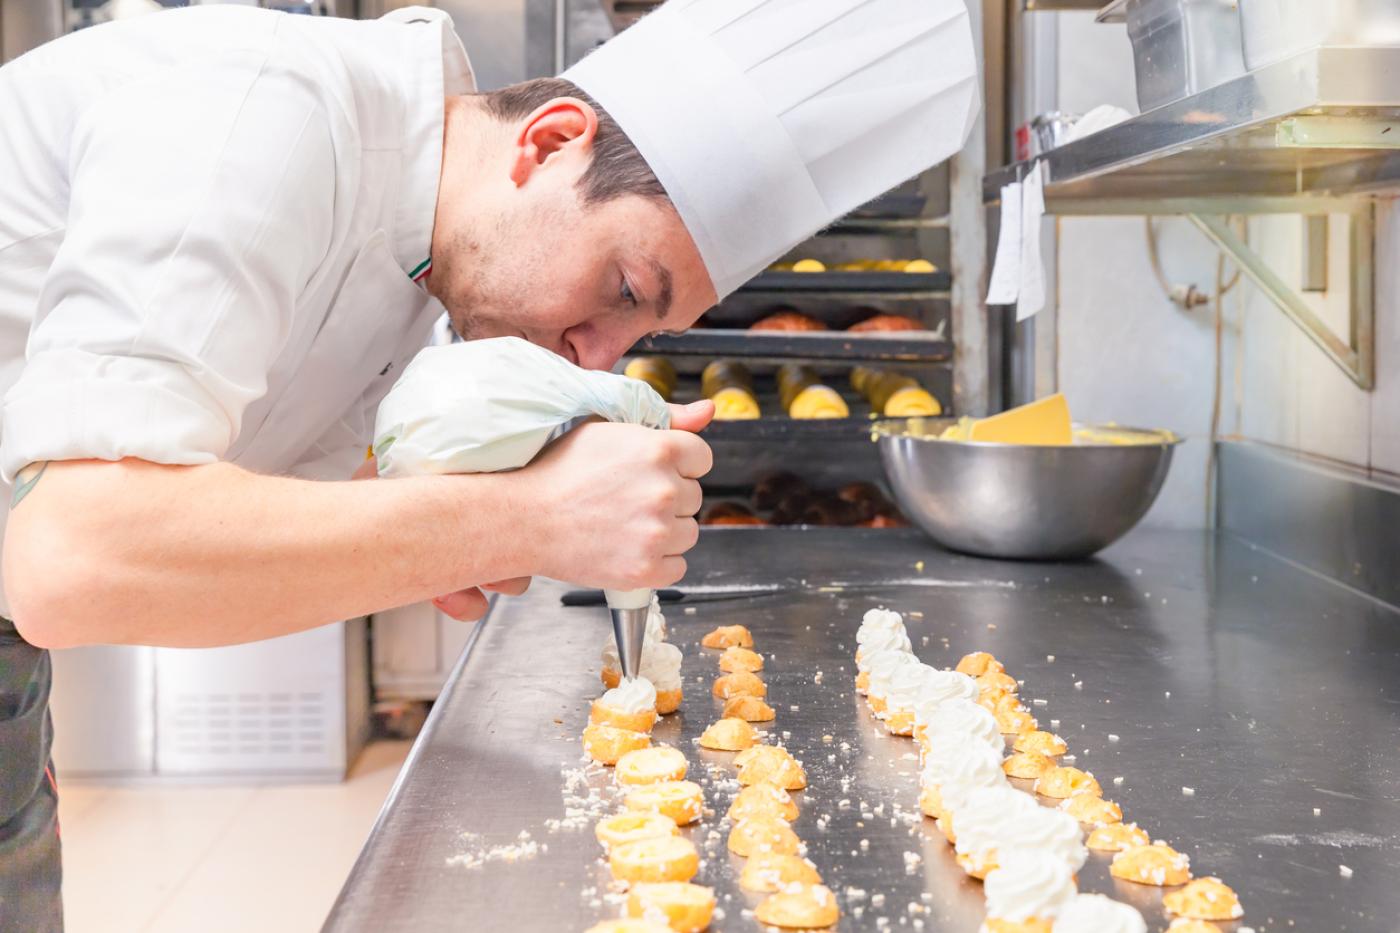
31	874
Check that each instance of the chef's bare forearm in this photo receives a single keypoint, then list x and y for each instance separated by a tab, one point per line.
192	556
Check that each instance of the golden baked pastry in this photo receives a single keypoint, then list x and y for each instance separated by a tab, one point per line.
1093	810
682	801
885	323
742	683
629	925
1180	925
979	864
1033	925
729	735
649	765
729	385
931	802
763	835
772	765
610	677
899	723
749	709
668	701
1204	899
606	744
788	321
764	800
767	872
978	663
1046	743
1157	864
655	371
1027	765
1065	781
999	681
611	716
685	907
658	858
737	659
735	404
863	683
730	513
727	636
1016	722
1116	837
629	827
809	907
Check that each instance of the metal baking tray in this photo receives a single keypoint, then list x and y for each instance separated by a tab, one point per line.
910	346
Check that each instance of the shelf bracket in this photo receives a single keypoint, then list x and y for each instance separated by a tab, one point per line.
1355	354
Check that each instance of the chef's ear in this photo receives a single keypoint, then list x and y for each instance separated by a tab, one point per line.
563	126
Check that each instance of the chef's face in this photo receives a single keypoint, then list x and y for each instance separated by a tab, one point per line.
529	257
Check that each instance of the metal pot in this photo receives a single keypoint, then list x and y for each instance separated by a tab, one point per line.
1182	47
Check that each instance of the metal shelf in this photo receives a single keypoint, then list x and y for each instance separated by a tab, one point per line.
785	429
931	282
1322	123
900	347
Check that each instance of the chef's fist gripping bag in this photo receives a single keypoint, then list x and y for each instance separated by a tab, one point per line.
490	405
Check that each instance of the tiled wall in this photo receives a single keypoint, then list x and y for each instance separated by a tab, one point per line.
1126	354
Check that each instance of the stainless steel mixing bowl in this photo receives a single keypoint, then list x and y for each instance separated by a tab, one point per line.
1015	501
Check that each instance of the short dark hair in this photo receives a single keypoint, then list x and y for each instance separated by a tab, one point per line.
618	169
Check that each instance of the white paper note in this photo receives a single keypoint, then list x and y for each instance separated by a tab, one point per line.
1030	297
1006	271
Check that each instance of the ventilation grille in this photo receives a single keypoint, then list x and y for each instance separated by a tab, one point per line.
249	730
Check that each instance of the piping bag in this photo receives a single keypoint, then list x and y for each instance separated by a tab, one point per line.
487	406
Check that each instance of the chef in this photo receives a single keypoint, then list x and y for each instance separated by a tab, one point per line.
225	231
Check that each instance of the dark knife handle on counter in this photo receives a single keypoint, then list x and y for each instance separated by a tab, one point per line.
595	597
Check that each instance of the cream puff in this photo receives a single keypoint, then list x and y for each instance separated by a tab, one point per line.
978	663
629	827
763	800
650	765
1027	765
883	667
804	907
749	709
1065	781
657	858
729	735
661	664
763	835
742	683
728	636
1115	837
606	744
1028	886
1000	819
998	681
772	765
737	659
916	691
957	718
682	906
630	705
1094	913
681	801
1204	899
655	635
1016	722
955	768
1092	810
1045	743
767	872
881	629
1156	864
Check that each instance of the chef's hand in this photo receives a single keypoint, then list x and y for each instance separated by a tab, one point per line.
617	502
471	604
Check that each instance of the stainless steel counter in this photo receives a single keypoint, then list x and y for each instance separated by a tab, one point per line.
1273	696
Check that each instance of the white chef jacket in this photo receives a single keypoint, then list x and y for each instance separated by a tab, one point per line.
209	223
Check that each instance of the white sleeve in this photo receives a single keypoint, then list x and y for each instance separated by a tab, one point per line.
200	207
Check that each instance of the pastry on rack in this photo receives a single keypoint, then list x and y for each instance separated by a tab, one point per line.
737	659
742	683
727	636
729	735
606	744
627	827
803	907
655	371
751	836
1095	913
1066	781
1204	899
681	801
880	323
1155	864
650	765
657	858
1045	743
894	395
801	265
1115	837
730	513
805	396
771	764
788	320
1093	810
749	709
763	801
630	705
773	488
1027	765
1027	890
766	872
683	907
729	385
978	663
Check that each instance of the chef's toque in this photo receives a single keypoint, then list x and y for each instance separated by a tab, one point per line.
766	120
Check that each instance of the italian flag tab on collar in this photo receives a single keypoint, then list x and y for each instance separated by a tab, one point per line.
421	270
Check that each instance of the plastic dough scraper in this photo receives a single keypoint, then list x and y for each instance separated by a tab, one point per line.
629	610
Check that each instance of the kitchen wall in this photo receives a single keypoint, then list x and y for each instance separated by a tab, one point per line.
1125	353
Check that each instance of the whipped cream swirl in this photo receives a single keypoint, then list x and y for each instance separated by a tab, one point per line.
631	696
953	719
882	640
884	666
1094	913
957	767
879	620
661	664
930	689
1028	885
990	815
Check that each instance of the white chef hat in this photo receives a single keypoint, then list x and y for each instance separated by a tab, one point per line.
766	120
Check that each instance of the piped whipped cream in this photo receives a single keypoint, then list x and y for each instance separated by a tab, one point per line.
911	689
879	620
656	634
990	815
1094	913
882	640
1028	885
631	696
883	667
957	767
1038	829
954	719
661	664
